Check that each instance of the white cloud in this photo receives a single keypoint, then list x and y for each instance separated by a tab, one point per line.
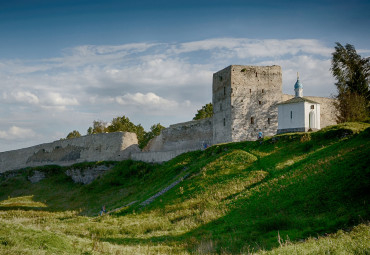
24	97
245	48
55	99
15	132
148	100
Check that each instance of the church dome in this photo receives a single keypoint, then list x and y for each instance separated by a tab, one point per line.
298	85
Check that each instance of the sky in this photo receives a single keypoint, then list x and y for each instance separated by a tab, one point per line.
64	64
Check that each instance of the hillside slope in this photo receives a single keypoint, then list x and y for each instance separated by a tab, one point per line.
236	198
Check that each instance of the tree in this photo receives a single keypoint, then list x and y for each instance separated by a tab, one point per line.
98	127
125	125
73	134
352	73
205	112
155	130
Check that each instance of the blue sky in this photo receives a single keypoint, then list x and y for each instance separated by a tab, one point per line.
66	63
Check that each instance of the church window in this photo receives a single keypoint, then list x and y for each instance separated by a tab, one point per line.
312	107
263	91
291	114
250	90
224	122
256	74
224	91
220	77
259	102
269	121
252	120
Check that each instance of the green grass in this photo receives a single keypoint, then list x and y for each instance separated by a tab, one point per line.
238	198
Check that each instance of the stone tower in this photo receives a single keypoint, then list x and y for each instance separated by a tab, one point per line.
244	102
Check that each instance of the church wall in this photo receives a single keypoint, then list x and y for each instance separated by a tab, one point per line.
291	116
316	112
327	110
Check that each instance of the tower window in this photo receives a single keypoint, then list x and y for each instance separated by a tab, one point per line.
224	91
250	90
252	120
291	114
220	77
259	102
224	122
312	106
263	91
269	121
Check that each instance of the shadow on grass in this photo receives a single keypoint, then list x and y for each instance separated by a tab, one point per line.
24	208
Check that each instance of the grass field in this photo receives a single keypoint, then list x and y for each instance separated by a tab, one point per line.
301	193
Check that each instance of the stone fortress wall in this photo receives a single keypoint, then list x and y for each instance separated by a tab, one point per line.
244	103
177	139
109	146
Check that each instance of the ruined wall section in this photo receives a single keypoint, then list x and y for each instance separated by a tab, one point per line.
221	100
328	112
109	146
191	135
255	92
177	139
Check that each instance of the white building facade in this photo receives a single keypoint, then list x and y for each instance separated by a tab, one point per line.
298	114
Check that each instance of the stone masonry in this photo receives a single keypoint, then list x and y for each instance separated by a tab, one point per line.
244	101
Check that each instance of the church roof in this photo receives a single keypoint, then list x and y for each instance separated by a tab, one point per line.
298	100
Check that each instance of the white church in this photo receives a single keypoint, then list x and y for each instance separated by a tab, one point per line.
298	114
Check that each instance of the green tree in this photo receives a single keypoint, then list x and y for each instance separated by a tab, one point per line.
98	127
205	112
155	130
125	125
352	73
73	134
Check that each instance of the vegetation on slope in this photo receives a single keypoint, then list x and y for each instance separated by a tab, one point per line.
265	196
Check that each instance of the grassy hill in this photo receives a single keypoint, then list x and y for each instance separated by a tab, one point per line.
301	193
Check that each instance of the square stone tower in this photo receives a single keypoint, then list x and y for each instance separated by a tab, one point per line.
245	102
